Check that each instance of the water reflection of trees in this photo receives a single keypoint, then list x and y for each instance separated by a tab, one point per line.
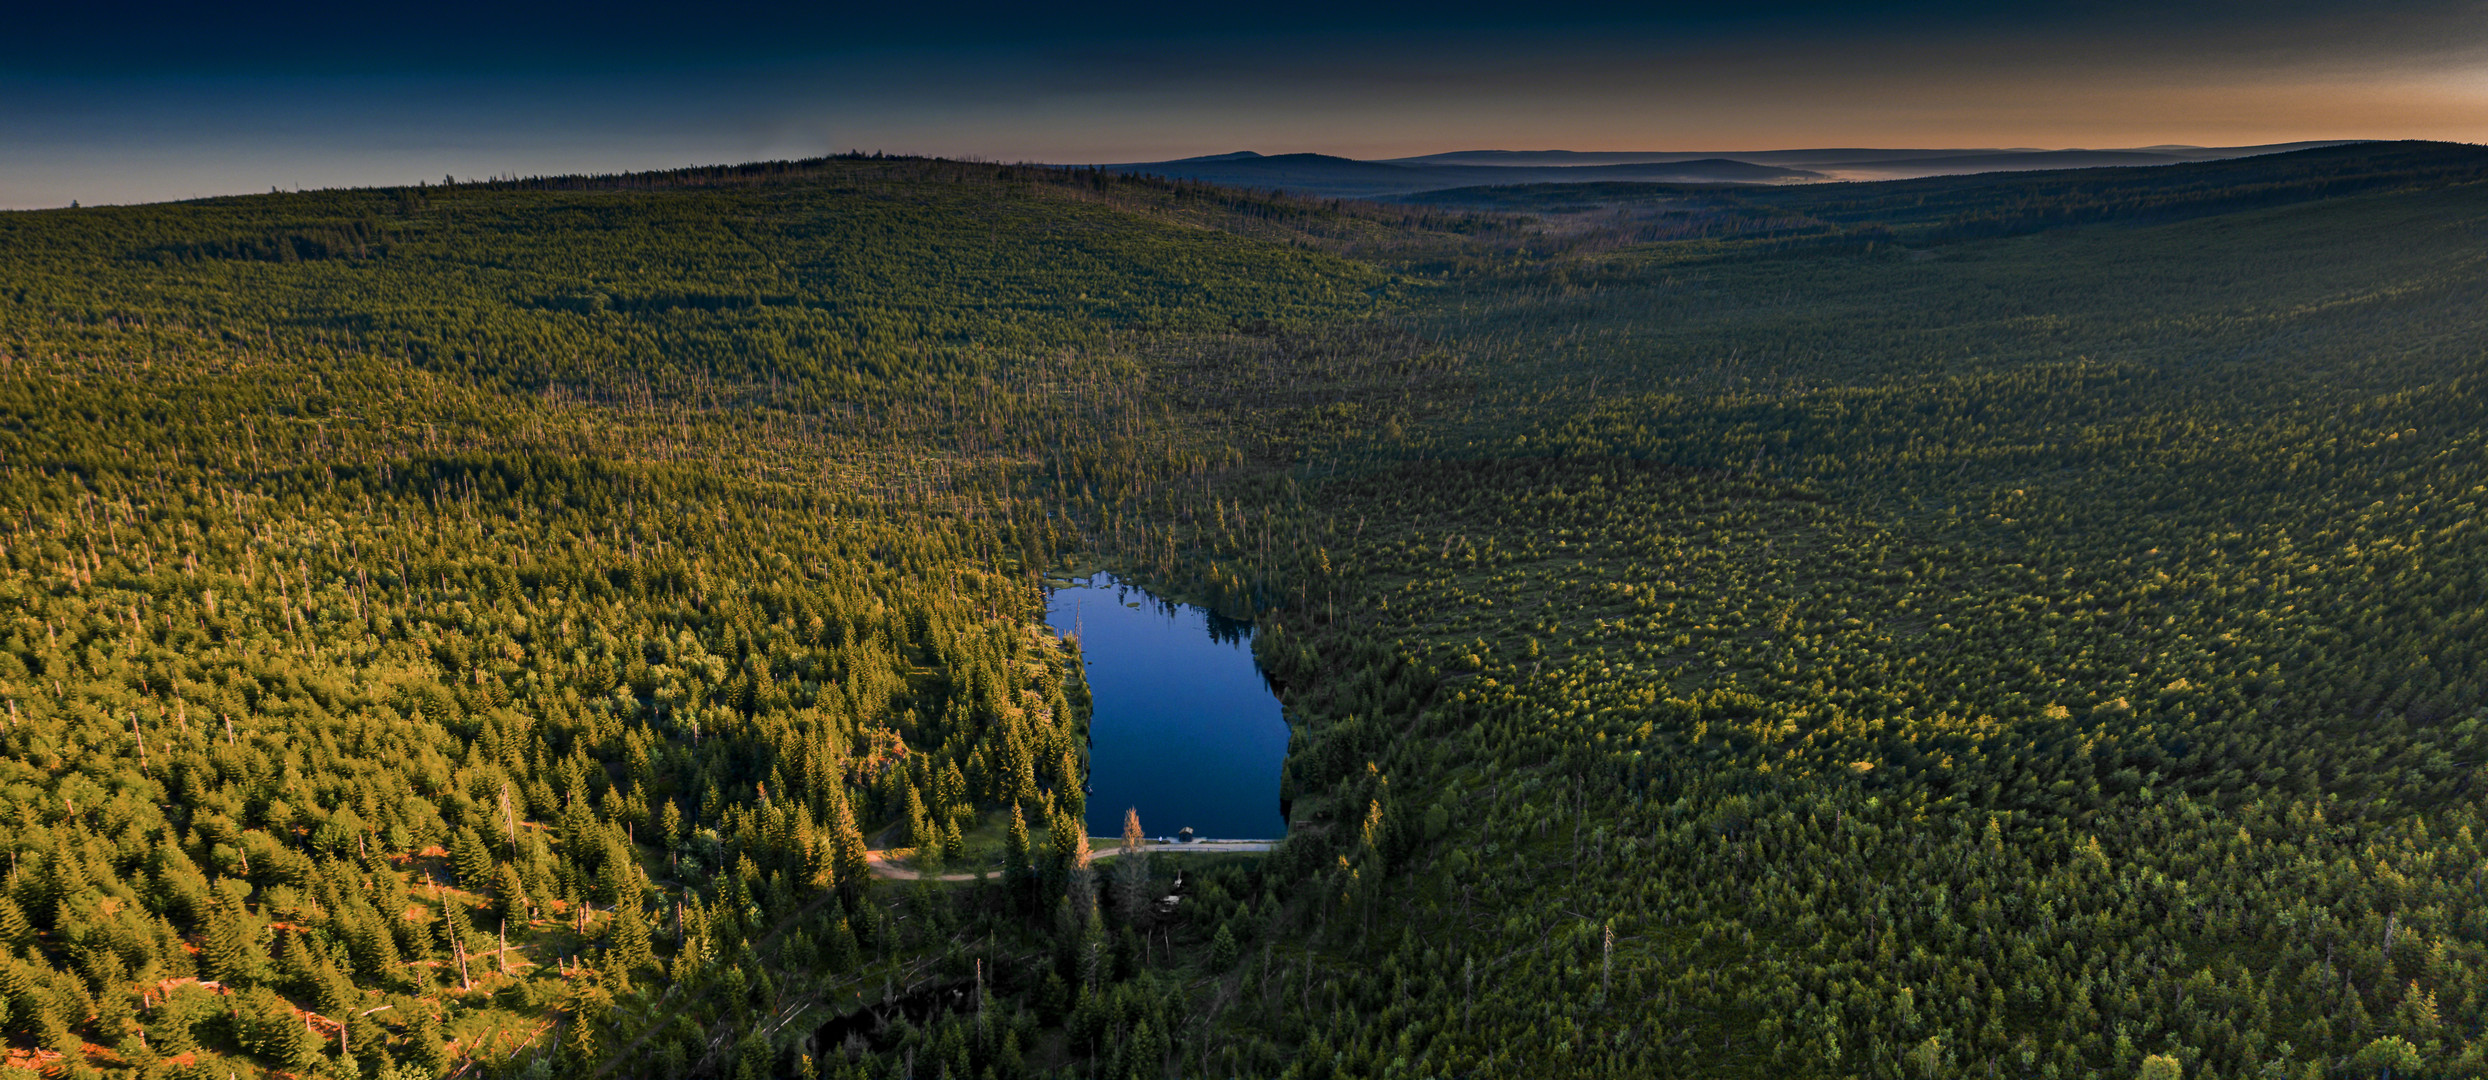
1222	629
1228	631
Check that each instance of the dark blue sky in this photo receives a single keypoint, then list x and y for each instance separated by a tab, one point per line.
126	101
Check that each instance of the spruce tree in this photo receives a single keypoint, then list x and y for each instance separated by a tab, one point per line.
922	833
232	949
375	948
64	877
950	791
305	1050
626	940
472	859
1068	797
1015	867
426	1044
296	970
848	841
335	995
1067	850
173	1030
22	992
16	931
51	1029
1146	1054
511	903
2391	1056
669	822
840	951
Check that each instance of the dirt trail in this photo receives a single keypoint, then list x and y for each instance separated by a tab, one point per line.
884	865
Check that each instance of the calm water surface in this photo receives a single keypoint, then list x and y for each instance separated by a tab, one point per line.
1185	727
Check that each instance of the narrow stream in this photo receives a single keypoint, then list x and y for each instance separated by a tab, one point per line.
1185	727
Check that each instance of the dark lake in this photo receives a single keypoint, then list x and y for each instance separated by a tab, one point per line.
1185	727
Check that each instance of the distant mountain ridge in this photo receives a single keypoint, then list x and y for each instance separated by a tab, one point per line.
1325	174
1837	157
1941	209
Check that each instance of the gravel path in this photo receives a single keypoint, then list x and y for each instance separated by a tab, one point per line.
884	866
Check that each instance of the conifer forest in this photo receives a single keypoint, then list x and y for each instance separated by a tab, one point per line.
2010	626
